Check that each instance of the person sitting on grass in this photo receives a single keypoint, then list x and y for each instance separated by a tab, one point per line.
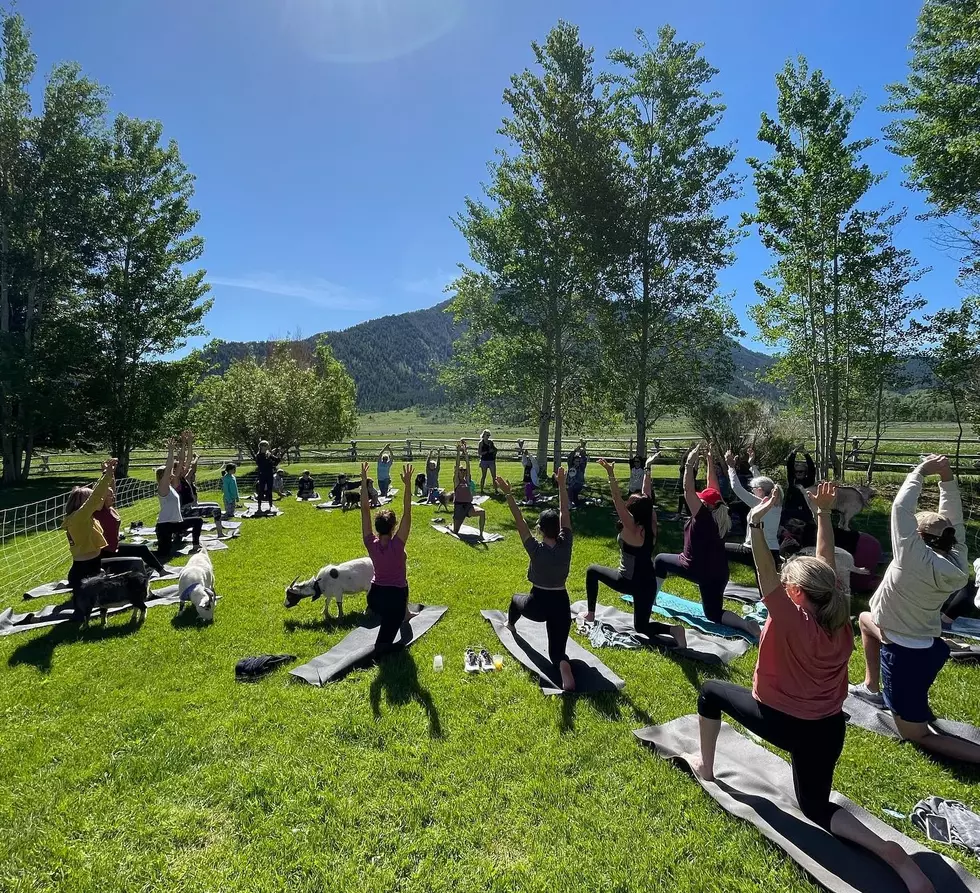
550	560
266	463
229	490
279	484
339	489
306	488
800	683
109	520
171	524
704	560
902	633
385	543
463	506
637	537
384	469
85	536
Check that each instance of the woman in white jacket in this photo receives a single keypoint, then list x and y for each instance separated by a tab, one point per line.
901	634
760	489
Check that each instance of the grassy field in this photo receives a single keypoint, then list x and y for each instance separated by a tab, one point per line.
133	761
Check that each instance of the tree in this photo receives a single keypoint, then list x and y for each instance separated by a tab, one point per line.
281	401
808	215
665	333
940	135
541	246
48	202
144	303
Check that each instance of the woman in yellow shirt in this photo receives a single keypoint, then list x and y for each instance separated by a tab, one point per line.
85	537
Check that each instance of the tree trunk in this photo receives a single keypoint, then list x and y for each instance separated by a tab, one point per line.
642	372
28	456
558	414
959	436
878	430
544	430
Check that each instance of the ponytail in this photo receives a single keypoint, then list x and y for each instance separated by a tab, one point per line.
722	519
818	580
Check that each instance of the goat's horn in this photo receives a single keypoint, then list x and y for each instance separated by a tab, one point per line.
291	585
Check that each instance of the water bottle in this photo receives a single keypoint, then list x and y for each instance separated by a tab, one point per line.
437	663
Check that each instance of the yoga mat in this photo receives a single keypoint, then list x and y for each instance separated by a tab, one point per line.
739	593
60	587
756	785
963	654
51	615
530	648
308	498
225	525
704	648
866	716
357	646
469	534
214	545
692	613
251	509
966	627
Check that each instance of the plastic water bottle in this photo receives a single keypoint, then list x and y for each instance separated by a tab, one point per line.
437	663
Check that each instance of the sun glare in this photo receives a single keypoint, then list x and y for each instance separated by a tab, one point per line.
369	30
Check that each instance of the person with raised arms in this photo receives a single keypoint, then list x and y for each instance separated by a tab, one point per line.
385	460
704	560
902	633
760	487
463	506
549	562
170	521
86	539
800	683
637	537
388	595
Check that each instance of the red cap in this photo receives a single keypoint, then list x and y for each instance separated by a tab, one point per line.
710	497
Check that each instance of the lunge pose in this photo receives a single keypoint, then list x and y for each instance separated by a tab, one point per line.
463	506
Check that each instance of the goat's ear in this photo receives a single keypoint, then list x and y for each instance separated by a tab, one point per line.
334	572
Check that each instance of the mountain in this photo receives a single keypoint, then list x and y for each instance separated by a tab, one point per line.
394	360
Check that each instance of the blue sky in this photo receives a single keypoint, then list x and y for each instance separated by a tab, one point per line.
333	140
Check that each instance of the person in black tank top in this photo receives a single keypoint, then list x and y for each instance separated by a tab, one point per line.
637	538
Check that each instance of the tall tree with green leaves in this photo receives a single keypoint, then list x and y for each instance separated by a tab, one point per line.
540	245
808	216
144	302
939	131
665	332
48	203
286	402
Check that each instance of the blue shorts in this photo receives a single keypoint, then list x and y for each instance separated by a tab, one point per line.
907	675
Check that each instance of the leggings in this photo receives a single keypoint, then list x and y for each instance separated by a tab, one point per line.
550	607
82	570
202	510
390	604
131	550
742	554
644	595
814	745
961	603
383	486
263	490
712	590
170	530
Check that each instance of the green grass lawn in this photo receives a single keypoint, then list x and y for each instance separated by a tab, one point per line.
132	760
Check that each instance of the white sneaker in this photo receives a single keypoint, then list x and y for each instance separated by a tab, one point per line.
486	662
865	694
470	662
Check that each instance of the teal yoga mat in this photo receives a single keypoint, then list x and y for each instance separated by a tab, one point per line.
692	613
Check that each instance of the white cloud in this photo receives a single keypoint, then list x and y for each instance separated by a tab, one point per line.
429	285
321	292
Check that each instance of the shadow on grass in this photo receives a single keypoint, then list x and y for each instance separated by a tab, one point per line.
189	619
326	624
604	703
398	679
39	651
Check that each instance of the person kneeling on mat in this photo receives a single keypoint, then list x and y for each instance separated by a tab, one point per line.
637	537
388	595
800	683
902	632
704	560
463	507
547	571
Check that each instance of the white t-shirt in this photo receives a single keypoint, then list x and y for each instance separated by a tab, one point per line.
169	508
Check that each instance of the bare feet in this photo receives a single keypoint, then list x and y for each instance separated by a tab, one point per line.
680	636
907	870
699	769
567	679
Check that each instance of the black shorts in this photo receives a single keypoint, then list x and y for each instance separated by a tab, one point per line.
461	511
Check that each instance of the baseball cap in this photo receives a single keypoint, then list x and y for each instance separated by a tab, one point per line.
932	523
710	497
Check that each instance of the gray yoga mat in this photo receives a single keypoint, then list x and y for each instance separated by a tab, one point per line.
251	509
963	653
210	545
60	587
756	785
51	615
470	535
739	593
712	650
358	646
866	716
225	525
530	648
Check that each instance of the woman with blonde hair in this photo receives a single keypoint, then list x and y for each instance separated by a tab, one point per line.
800	683
85	537
704	560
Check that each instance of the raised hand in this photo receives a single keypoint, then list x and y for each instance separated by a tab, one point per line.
560	474
694	457
364	472
931	464
730	458
826	496
407	475
503	486
604	463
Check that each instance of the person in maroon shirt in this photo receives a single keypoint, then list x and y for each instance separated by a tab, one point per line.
109	518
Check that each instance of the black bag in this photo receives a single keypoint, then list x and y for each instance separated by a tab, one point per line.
250	669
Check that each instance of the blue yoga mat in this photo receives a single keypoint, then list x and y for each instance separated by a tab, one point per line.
966	627
692	613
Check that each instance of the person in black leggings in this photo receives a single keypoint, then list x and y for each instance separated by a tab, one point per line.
634	576
704	560
550	560
800	684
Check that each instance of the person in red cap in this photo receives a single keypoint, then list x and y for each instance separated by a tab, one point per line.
704	560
